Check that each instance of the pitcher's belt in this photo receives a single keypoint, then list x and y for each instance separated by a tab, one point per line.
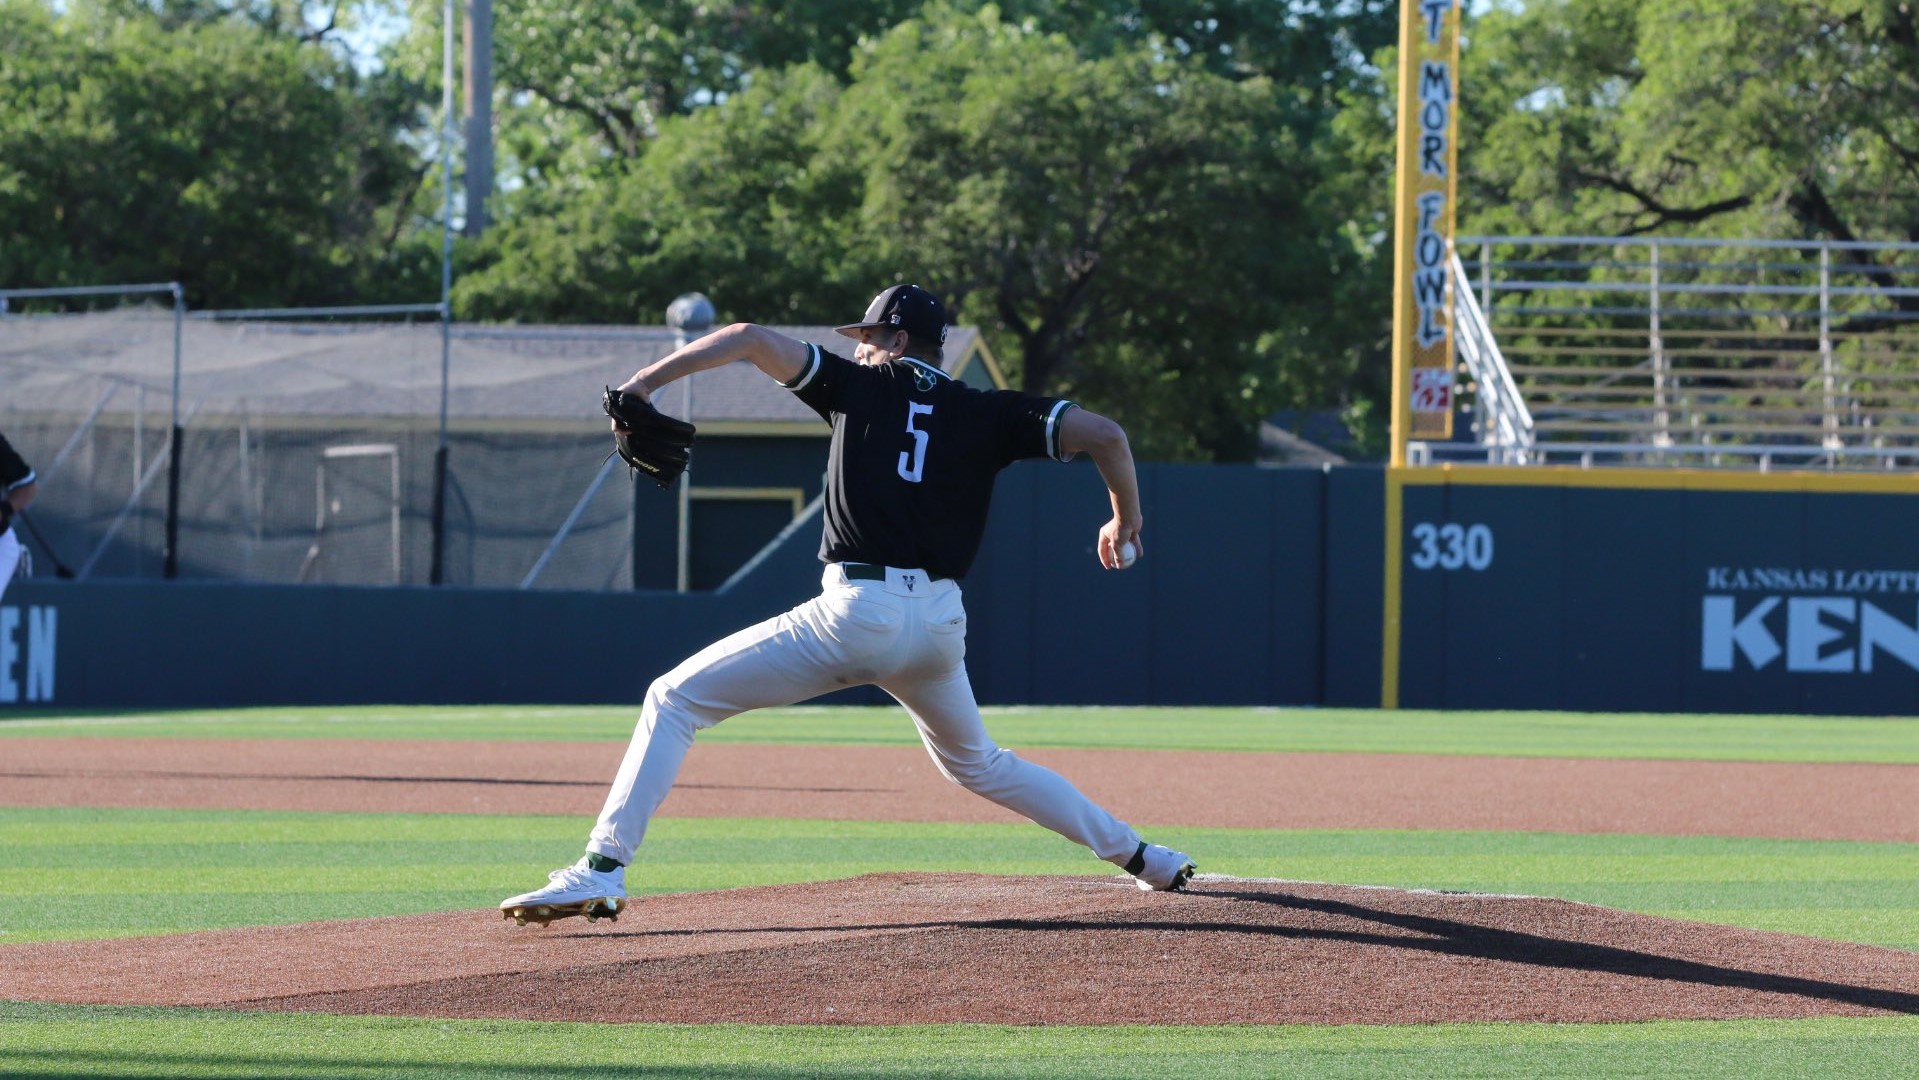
859	571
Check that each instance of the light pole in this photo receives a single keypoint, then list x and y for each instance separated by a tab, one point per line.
436	574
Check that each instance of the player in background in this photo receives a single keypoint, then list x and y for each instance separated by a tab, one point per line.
18	486
910	473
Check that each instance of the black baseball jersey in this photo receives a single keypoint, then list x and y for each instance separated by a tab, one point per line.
914	456
13	471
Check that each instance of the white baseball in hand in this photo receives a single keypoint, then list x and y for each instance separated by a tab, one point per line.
1126	554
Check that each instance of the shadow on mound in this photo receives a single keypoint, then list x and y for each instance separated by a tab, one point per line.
919	948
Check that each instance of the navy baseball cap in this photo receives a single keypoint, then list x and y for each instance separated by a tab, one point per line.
908	307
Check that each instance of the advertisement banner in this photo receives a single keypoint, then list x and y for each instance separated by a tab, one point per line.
1658	599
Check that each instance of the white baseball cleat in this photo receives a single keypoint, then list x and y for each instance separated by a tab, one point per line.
574	885
1160	869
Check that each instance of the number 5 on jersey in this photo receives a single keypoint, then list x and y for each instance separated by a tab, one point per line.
910	471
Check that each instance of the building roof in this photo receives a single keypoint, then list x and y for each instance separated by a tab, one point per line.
529	375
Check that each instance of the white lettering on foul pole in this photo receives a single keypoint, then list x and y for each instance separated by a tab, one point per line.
1435	107
1429	271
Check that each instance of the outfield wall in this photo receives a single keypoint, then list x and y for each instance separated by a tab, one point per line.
1229	606
1239	599
1460	588
1654	590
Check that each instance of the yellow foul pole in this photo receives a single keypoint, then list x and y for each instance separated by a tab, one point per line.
1424	193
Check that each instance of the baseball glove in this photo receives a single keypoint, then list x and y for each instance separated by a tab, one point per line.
648	439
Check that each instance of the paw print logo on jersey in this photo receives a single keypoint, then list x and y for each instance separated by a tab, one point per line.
924	381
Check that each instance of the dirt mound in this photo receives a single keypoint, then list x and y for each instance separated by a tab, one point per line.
919	948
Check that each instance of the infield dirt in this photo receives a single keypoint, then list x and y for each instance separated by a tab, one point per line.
944	948
899	783
952	948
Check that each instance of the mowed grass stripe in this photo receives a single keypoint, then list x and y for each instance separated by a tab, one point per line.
177	870
79	1041
1498	734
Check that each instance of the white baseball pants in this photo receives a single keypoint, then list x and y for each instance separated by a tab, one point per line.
907	635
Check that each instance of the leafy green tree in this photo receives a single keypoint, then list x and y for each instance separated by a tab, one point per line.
306	20
1122	226
737	200
583	86
1728	117
1314	47
580	86
623	66
1129	229
215	153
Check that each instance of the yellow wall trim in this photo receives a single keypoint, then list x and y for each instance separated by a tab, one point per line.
1654	479
1389	632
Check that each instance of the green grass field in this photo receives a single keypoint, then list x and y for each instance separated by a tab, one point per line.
55	1041
164	866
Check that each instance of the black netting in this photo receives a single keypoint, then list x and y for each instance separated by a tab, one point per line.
309	450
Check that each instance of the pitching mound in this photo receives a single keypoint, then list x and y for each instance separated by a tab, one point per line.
917	948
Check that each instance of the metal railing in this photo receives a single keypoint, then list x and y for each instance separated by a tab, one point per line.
1739	353
1501	422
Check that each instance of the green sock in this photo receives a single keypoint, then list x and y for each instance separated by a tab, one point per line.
600	864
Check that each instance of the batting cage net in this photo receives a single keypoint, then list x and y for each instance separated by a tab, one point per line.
308	446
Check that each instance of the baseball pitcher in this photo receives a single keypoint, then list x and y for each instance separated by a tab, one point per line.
911	469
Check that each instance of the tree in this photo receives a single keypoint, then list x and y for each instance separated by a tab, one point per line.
1315	48
737	200
1122	226
305	20
215	154
1730	117
580	86
1133	218
584	86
